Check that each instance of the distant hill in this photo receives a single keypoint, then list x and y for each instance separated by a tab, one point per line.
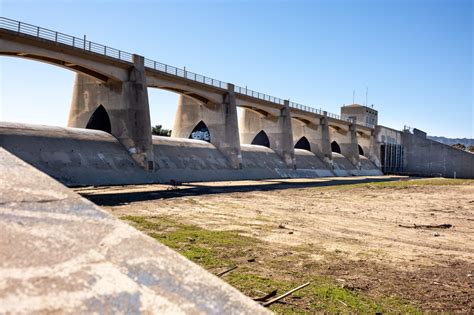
450	141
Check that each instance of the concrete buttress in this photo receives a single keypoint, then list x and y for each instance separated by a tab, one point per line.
220	120
350	148
278	129
126	115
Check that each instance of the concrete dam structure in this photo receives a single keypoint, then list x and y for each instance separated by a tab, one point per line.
108	139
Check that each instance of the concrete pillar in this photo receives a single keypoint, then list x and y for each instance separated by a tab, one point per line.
317	135
277	128
349	146
325	143
374	149
126	104
220	119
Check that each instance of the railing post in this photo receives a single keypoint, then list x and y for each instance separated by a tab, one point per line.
119	54
19	27
73	41
56	37
105	50
166	67
37	32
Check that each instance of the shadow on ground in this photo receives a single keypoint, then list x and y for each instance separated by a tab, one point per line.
115	197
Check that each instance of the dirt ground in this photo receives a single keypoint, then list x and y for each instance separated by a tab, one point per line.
361	229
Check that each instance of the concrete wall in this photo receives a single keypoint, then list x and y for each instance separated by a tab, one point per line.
430	158
126	104
220	119
346	138
317	133
277	128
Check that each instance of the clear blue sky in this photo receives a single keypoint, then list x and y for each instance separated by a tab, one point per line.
415	56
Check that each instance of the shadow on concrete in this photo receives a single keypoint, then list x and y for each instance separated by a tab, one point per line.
115	198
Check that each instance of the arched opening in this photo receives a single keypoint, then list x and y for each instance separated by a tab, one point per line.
361	151
169	108
303	143
261	139
201	132
99	120
163	105
335	147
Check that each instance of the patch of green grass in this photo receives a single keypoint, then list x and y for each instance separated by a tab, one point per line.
207	248
219	249
403	184
333	298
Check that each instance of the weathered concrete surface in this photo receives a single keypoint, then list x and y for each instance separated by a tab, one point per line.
317	134
79	157
126	103
344	167
61	254
346	137
277	128
430	158
220	119
306	160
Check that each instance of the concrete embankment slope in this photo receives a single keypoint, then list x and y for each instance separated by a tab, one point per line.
61	254
79	157
82	157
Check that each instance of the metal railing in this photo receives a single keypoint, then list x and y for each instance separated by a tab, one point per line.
261	96
183	73
306	108
82	43
86	45
61	38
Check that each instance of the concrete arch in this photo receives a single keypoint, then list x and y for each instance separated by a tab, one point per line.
257	111
197	97
335	147
94	65
265	110
303	144
261	139
202	93
361	151
100	120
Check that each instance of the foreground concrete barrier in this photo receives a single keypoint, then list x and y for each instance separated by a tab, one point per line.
62	254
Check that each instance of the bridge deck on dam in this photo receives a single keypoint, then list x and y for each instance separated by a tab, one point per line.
81	157
107	63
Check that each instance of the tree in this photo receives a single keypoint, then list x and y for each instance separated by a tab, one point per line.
459	146
159	131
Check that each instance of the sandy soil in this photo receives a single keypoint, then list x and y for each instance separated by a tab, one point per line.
355	230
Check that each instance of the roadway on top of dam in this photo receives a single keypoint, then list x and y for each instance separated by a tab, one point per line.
108	64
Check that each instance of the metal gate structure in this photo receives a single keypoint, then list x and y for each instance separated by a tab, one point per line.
391	158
